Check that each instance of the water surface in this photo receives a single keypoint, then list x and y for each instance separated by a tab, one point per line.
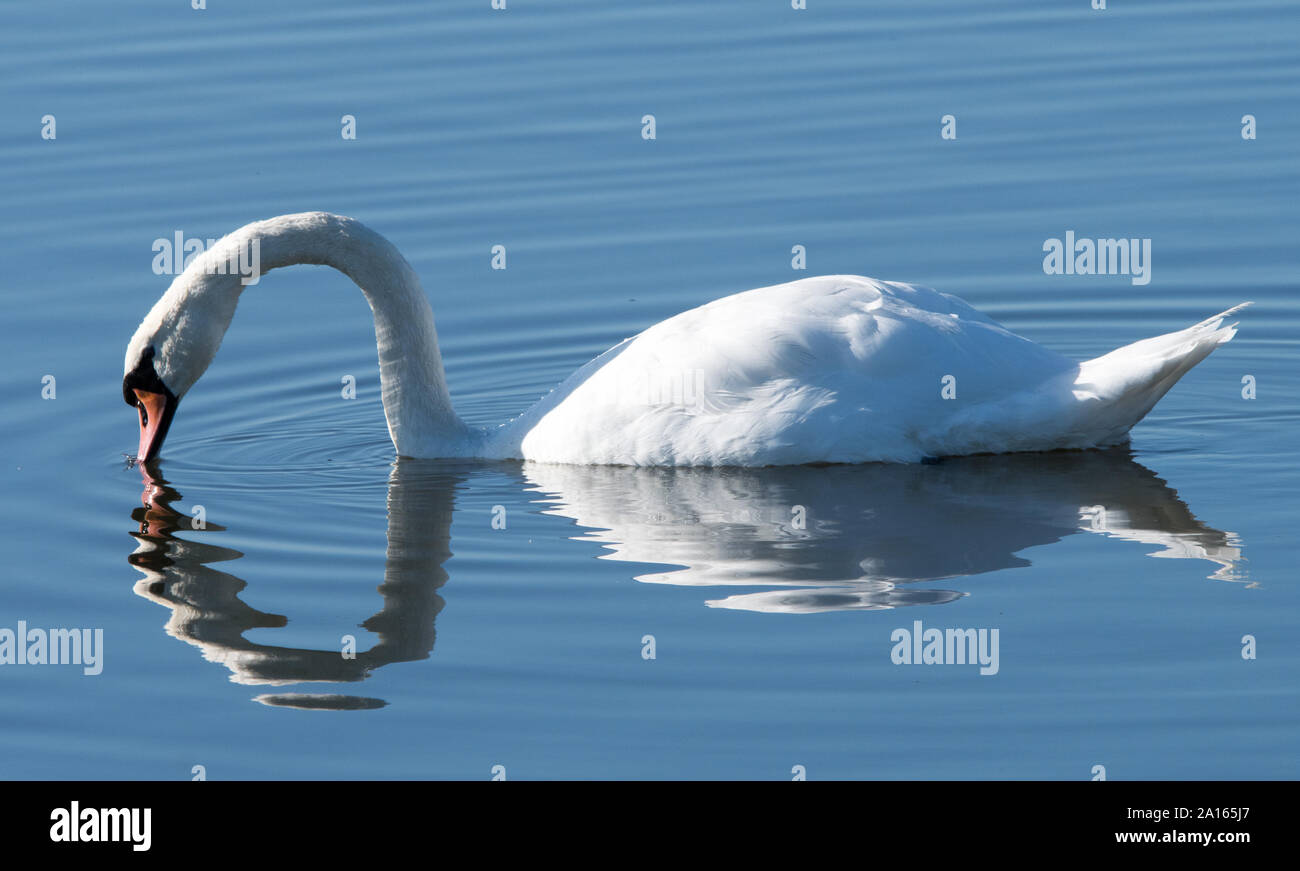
1121	582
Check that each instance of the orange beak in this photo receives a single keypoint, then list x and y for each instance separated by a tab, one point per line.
156	410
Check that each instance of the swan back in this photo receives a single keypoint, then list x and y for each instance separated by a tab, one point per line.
827	369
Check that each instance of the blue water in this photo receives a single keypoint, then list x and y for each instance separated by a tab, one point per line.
524	646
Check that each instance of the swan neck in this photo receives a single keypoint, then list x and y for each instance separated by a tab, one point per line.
417	404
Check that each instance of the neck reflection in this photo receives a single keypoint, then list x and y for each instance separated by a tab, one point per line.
208	613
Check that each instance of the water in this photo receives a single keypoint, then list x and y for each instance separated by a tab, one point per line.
523	647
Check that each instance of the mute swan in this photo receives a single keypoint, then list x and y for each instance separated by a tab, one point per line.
835	369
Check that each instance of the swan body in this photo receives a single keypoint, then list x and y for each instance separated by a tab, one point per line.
834	369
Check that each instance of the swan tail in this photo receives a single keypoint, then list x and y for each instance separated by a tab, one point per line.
1118	389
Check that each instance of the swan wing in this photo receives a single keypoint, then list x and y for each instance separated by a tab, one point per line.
828	369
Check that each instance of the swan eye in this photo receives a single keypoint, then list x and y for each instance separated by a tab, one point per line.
143	377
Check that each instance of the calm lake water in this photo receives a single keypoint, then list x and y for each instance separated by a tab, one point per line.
525	646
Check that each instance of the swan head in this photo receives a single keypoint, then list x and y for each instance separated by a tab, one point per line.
153	400
170	350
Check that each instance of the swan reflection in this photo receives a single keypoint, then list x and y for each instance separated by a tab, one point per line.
208	613
812	539
854	537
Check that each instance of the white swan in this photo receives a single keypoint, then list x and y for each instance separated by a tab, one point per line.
836	369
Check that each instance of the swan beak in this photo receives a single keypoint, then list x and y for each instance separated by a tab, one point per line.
156	410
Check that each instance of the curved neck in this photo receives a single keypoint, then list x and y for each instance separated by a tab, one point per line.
417	405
